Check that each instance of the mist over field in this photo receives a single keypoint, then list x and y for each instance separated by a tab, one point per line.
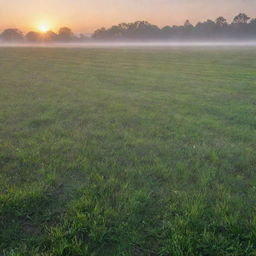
133	44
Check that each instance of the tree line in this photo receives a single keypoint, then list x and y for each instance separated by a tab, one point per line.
241	28
64	34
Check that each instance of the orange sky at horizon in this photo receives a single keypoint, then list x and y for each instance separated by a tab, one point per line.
87	15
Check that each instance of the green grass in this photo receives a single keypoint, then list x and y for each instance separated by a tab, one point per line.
128	152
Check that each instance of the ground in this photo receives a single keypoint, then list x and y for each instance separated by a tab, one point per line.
128	151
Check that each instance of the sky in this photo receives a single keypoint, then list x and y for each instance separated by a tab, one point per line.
84	16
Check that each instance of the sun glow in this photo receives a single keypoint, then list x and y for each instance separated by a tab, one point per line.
43	28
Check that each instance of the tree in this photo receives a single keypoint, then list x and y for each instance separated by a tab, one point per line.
187	24
252	27
222	28
36	37
206	30
241	18
33	36
50	36
139	30
183	32
65	34
221	22
12	35
142	30
166	32
240	28
99	34
253	22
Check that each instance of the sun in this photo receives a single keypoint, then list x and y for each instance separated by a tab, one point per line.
43	28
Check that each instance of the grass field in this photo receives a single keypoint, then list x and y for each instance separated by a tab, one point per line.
128	152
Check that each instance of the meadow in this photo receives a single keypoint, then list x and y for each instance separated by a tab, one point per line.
128	151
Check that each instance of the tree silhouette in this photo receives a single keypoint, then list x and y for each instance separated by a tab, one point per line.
139	30
221	22
206	30
187	30
187	24
99	34
50	36
33	37
65	34
241	18
12	35
36	37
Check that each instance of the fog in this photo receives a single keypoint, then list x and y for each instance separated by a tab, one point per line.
133	44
